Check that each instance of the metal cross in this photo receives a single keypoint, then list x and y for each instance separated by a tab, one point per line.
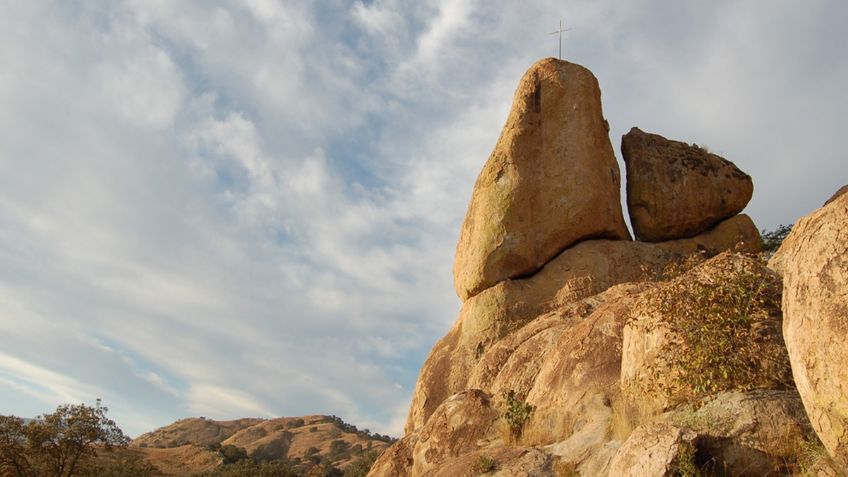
560	32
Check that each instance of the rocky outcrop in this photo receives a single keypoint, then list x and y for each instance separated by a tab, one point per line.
749	433
582	271
551	181
814	262
653	450
499	462
569	326
459	426
675	190
837	194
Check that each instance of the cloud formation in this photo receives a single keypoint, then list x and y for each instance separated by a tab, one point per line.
250	208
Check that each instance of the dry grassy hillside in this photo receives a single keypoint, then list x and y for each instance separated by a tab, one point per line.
193	430
195	445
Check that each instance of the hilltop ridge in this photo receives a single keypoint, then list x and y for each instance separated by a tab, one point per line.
195	445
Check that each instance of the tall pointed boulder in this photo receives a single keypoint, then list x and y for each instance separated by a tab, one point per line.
551	181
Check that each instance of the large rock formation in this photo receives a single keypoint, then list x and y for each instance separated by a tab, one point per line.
675	190
584	270
560	323
814	262
551	181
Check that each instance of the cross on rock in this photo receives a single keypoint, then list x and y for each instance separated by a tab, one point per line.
560	32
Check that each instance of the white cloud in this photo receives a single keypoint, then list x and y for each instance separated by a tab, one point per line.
206	399
251	208
379	18
145	88
42	383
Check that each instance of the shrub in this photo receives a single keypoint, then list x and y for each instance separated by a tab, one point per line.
361	466
686	466
129	467
517	413
232	454
485	464
720	322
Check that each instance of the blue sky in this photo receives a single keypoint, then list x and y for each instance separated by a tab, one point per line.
250	208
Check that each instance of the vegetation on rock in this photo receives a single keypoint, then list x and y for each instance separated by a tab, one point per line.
517	413
719	321
485	464
686	466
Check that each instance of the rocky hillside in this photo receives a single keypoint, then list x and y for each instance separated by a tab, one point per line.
194	445
579	351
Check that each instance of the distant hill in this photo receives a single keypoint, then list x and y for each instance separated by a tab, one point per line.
193	445
194	430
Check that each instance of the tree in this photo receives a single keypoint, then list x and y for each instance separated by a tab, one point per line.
232	454
773	238
13	446
56	444
361	466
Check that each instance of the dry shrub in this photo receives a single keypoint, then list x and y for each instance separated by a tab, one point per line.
805	458
725	324
485	464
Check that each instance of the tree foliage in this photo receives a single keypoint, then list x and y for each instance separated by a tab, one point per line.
361	466
57	444
249	468
773	238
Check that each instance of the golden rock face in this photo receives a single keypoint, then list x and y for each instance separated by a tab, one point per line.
814	262
675	190
551	181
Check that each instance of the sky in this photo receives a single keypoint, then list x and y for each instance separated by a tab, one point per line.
250	208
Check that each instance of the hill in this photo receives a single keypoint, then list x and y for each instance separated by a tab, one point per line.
196	445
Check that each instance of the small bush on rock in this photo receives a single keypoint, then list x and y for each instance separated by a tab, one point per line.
517	413
686	466
485	464
722	321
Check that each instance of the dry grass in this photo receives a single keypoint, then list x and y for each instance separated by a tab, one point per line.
805	458
547	428
183	460
628	415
